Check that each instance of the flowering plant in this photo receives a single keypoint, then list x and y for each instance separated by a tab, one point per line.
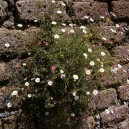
67	64
68	61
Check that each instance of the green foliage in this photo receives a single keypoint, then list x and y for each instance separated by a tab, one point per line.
68	65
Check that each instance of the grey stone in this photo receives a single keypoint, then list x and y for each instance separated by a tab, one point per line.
29	10
120	9
92	9
3	10
19	41
120	113
103	100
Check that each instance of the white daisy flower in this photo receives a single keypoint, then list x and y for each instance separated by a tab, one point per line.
86	17
113	14
88	72
82	27
14	93
61	71
63	30
88	93
7	45
73	114
76	97
75	77
119	66
63	4
84	31
54	23
85	55
89	50
29	95
29	53
95	92
71	25
103	54
46	113
107	111
35	20
25	79
105	39
117	25
74	93
27	83
115	70
71	31
101	70
19	25
50	83
53	1
92	63
102	17
56	36
59	12
91	19
127	81
63	24
9	104
24	64
37	80
112	30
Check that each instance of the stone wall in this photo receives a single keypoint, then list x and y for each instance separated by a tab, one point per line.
19	23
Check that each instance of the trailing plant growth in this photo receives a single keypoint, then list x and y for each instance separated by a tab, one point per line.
68	62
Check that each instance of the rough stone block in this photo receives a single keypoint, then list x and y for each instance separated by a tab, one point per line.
8	69
119	113
120	9
87	122
90	123
19	41
124	92
94	10
6	98
53	10
4	71
121	53
124	124
3	10
30	9
104	99
115	76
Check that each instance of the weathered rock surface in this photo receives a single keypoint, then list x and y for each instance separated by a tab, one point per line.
119	113
30	10
104	99
124	92
4	71
94	10
123	125
18	40
3	10
120	9
121	53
